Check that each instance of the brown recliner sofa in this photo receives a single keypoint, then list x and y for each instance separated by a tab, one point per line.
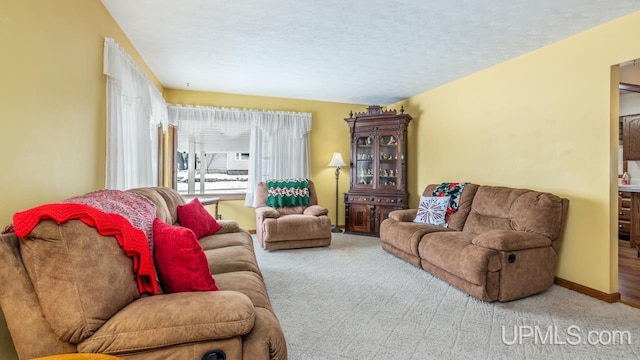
66	289
292	227
501	244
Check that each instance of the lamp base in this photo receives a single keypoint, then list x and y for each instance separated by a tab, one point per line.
335	229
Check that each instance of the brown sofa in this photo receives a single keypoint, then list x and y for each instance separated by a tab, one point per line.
501	244
291	227
68	289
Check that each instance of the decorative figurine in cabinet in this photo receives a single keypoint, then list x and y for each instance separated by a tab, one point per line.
378	168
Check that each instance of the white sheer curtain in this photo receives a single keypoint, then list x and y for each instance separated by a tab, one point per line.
279	141
279	149
134	109
213	129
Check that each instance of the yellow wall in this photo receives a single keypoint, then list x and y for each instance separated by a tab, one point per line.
52	104
630	74
329	133
547	121
52	99
540	121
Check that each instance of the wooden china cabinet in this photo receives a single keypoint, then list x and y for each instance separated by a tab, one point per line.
378	168
630	136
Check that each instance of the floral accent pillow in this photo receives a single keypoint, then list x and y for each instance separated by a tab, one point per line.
432	210
454	190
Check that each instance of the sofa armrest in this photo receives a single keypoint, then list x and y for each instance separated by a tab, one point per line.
511	240
267	212
315	210
406	215
228	226
172	319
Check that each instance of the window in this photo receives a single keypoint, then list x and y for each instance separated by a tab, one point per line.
242	156
221	172
210	148
211	162
228	151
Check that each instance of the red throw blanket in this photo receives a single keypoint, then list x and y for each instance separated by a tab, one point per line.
132	240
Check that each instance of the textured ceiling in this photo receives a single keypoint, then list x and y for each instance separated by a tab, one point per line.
353	51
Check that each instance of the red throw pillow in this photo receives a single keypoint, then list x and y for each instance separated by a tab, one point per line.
195	217
180	261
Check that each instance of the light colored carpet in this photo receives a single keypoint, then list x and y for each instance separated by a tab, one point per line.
353	300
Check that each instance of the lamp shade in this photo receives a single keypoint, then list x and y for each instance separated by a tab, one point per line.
337	160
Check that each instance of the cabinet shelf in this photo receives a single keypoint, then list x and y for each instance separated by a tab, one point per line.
372	197
630	134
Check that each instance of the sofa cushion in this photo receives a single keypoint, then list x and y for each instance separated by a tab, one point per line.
296	227
432	210
290	210
454	252
172	199
316	210
228	226
511	240
173	319
90	273
179	259
502	208
195	217
267	212
162	211
220	240
166	200
232	258
406	215
491	209
248	283
538	212
406	236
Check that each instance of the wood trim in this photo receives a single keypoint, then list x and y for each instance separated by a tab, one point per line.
629	87
610	298
159	149
172	134
630	304
220	197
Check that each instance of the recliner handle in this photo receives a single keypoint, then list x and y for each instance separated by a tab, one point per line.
214	355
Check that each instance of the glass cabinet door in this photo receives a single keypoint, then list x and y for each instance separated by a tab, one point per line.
388	161
364	161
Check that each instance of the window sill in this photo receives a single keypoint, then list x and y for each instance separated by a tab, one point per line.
211	197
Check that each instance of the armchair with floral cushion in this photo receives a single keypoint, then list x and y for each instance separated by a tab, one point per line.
288	215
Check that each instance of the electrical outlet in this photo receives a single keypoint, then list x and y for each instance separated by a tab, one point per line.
219	216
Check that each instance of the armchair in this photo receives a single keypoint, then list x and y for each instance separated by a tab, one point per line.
291	227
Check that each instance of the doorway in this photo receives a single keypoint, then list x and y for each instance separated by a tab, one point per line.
628	260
